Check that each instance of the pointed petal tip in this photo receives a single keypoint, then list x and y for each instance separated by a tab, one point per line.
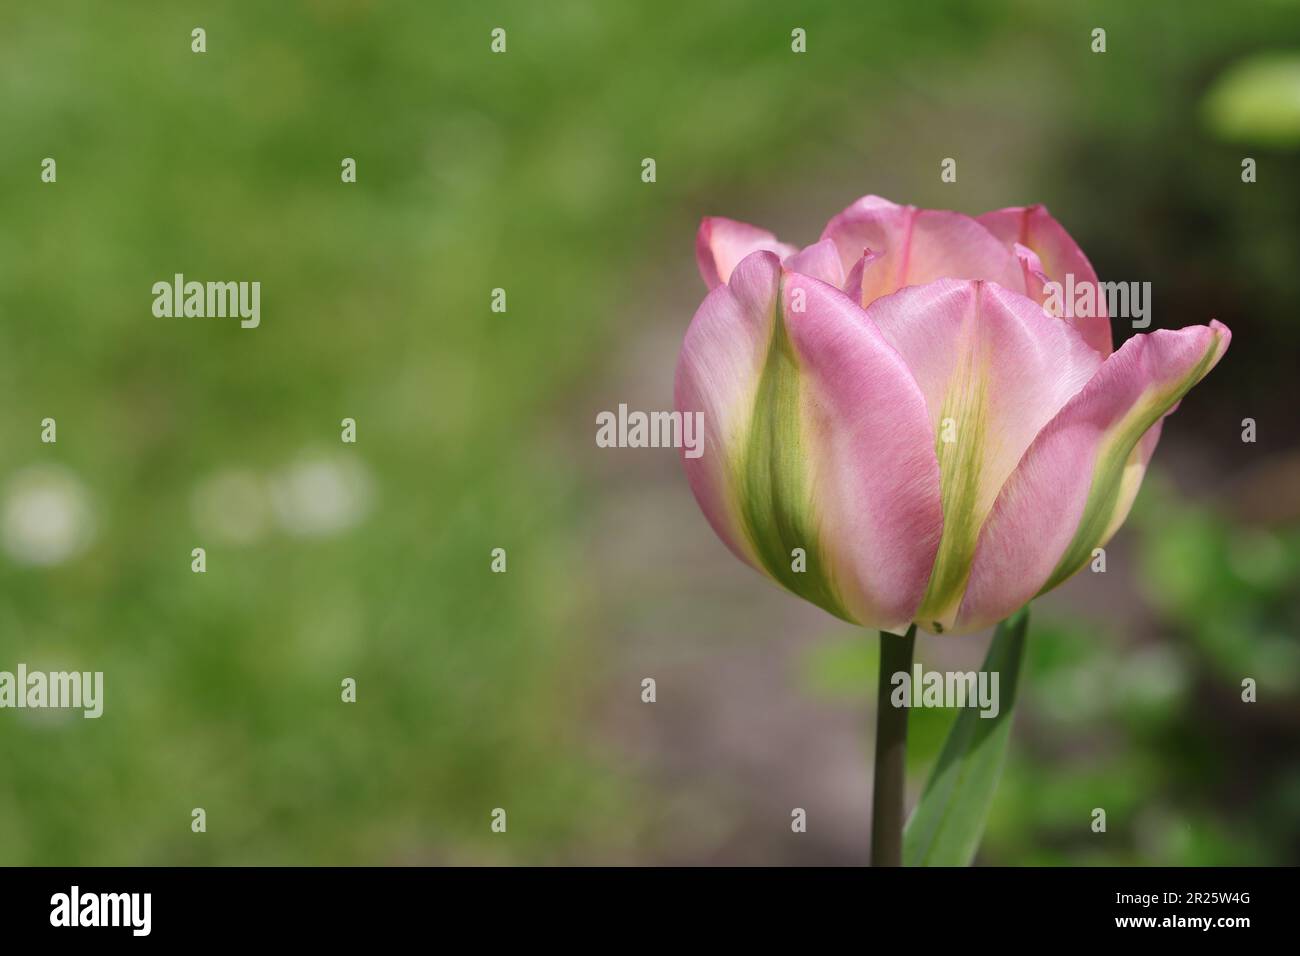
721	244
821	260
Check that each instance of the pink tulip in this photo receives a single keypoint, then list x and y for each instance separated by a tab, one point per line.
897	430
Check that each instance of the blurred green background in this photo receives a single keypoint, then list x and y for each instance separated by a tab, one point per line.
476	429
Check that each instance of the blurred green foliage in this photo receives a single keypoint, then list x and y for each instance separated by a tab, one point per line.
1257	101
522	172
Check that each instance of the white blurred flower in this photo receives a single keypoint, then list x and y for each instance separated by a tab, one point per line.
47	516
231	506
323	495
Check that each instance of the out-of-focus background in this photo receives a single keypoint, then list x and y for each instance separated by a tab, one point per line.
476	429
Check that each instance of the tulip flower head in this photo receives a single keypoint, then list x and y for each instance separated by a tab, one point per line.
895	404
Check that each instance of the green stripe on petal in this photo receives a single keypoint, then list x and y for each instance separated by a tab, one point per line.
1104	495
773	484
959	446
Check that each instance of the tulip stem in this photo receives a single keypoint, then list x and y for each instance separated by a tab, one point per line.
891	752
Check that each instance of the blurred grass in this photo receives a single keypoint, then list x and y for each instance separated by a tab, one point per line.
519	171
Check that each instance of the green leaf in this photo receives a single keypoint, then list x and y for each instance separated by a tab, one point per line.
946	826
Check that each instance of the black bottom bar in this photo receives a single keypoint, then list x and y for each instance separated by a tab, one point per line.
337	905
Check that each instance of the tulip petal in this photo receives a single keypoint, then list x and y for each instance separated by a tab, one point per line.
1135	469
1060	257
994	369
1032	267
802	399
853	283
821	260
874	474
1077	481
917	246
717	374
721	244
774	477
